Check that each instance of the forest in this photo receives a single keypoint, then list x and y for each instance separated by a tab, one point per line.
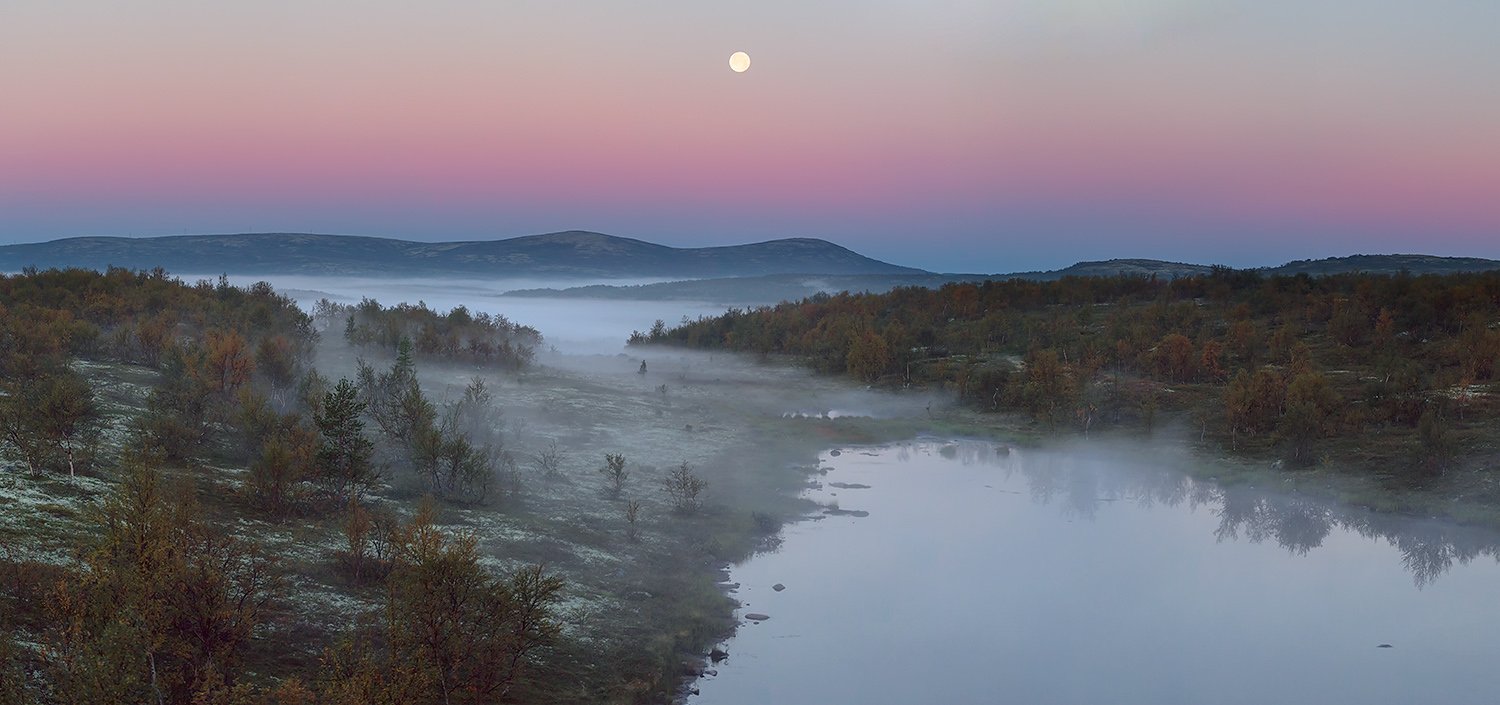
459	335
1392	377
211	496
162	586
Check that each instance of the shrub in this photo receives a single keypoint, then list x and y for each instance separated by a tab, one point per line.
614	472
683	487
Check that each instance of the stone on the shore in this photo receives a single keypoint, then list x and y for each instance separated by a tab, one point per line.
835	511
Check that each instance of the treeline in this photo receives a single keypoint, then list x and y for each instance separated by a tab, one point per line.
1405	364
235	363
133	316
457	450
165	605
210	341
480	339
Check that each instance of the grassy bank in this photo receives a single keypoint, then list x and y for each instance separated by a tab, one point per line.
642	599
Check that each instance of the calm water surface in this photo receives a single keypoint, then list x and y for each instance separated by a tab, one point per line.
982	575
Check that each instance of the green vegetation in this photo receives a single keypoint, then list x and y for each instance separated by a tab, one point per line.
49	420
343	457
1392	376
164	605
481	339
456	455
452	632
199	515
366	537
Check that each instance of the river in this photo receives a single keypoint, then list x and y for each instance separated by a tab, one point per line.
1100	574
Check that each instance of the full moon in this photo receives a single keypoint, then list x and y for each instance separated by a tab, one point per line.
739	61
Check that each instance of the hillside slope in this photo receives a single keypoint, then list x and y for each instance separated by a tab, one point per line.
565	254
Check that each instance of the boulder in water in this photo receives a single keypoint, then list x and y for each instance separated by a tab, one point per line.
757	617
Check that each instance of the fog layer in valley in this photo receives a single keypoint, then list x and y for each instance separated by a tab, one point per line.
936	570
730	419
974	572
568	325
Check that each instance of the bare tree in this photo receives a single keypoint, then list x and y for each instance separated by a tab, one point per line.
548	460
632	516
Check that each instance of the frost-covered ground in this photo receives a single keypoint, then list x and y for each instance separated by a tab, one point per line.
751	430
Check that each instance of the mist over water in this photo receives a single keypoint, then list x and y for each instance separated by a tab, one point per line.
577	326
974	572
1098	573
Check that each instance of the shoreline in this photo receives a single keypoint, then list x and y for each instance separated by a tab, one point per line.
1331	485
729	419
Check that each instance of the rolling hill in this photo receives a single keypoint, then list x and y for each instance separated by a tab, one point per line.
768	289
573	254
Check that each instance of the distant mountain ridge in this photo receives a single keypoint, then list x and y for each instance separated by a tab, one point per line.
564	254
1368	264
1117	267
789	287
763	272
1387	264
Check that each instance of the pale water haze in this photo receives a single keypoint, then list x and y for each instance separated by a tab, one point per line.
1098	573
576	326
965	571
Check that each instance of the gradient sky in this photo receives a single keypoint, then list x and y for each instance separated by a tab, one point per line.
955	135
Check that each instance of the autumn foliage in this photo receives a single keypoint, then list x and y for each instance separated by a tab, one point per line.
1257	362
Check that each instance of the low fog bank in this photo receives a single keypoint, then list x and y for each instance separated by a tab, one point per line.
724	417
579	326
591	395
750	427
407	288
586	338
765	388
1017	568
1084	476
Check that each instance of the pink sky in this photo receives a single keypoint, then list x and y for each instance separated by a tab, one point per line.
1010	136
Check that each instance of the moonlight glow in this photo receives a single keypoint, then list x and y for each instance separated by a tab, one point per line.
739	61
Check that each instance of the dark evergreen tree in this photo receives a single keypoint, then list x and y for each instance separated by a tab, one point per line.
345	456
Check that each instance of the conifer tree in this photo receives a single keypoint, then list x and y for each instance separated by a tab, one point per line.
344	454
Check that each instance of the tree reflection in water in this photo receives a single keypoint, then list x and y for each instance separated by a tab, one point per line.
1082	477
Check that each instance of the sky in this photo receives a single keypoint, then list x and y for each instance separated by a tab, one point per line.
952	135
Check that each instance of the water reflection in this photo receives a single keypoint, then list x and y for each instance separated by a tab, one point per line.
1080	479
972	572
